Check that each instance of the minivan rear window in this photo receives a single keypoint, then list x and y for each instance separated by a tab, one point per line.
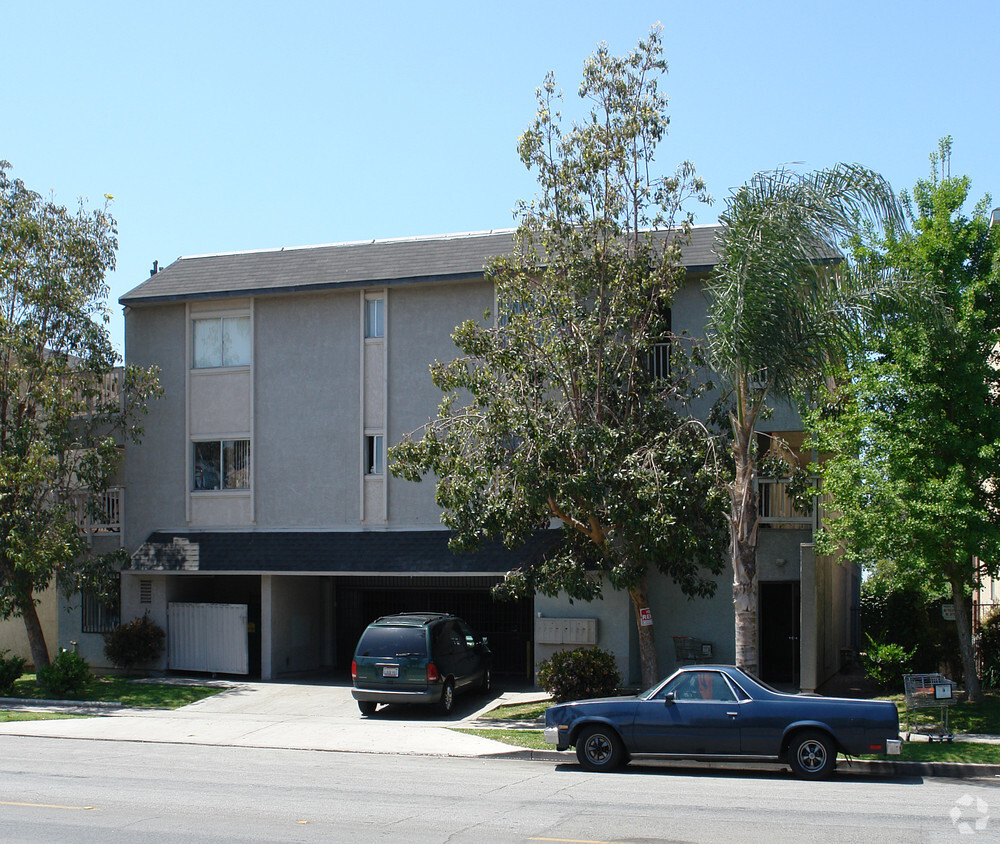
392	642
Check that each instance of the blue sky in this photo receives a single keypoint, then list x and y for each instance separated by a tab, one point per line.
222	126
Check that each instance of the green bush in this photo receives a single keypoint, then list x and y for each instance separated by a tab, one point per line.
65	676
579	674
11	669
138	641
886	663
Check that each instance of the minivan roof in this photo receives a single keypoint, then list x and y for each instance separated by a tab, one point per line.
411	619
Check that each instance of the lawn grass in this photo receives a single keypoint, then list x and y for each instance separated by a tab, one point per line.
35	716
121	690
517	711
530	739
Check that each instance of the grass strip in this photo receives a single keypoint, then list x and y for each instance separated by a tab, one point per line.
36	716
517	711
530	739
121	690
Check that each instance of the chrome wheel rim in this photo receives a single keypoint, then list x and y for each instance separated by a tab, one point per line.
598	749
812	755
448	696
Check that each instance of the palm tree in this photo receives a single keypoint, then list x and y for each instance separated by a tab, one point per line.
782	306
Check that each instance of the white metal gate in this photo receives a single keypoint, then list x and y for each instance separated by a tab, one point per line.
208	637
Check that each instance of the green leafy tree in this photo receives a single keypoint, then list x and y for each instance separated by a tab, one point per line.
779	314
914	432
61	423
553	412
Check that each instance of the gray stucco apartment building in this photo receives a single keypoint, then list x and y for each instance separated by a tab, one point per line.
264	529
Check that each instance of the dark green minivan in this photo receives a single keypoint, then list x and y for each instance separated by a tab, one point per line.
418	658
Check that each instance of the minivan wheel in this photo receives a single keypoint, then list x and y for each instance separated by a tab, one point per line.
447	702
487	683
367	707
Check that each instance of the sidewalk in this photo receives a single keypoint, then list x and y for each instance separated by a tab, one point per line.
324	717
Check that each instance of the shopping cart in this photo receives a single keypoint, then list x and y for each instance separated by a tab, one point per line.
932	692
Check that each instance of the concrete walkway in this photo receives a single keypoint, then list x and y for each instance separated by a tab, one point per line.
324	717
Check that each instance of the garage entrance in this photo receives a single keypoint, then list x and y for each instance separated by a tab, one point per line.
506	624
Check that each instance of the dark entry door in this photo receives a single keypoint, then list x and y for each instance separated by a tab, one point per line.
779	632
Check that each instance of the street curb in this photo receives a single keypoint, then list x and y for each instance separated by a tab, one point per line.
864	767
35	703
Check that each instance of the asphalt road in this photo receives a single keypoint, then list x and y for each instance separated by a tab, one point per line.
72	790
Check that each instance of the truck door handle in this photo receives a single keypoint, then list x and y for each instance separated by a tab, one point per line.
733	714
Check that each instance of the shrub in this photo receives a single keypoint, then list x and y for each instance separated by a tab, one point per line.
140	640
886	663
11	669
65	676
579	674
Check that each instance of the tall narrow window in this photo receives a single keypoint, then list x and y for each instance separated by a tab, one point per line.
374	455
221	464
375	317
221	341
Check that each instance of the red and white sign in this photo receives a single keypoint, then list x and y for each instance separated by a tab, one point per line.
645	617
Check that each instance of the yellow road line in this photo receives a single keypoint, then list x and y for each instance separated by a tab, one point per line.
571	841
48	806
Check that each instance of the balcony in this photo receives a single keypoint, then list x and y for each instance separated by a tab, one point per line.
777	509
108	522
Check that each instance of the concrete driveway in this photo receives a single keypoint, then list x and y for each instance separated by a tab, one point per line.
305	716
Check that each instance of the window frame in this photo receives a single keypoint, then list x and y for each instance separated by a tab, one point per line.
374	317
222	472
221	320
374	456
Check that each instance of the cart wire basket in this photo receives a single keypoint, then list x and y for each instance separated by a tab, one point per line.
931	692
690	649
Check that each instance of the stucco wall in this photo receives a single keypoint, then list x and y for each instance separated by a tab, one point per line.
155	471
13	636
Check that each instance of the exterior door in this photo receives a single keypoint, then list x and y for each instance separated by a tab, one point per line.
780	604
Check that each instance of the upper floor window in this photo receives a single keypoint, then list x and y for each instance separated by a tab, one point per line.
222	464
374	455
375	317
221	341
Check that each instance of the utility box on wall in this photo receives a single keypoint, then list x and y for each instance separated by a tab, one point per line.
566	631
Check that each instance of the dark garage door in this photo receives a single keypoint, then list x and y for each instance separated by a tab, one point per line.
506	624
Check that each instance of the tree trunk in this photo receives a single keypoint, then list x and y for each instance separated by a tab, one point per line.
963	622
647	642
36	636
743	549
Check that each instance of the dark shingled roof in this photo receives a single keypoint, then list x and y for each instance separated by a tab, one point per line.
375	262
361	552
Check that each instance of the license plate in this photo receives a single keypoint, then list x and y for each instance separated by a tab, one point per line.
390	670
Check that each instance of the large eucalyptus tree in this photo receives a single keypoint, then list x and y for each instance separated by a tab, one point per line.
782	306
553	413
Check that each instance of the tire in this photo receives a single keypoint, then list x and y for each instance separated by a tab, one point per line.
812	755
599	748
367	707
447	702
486	686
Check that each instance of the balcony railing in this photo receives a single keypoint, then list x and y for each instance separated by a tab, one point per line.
777	508
109	507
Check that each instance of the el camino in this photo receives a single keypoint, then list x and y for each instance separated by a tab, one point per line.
718	712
